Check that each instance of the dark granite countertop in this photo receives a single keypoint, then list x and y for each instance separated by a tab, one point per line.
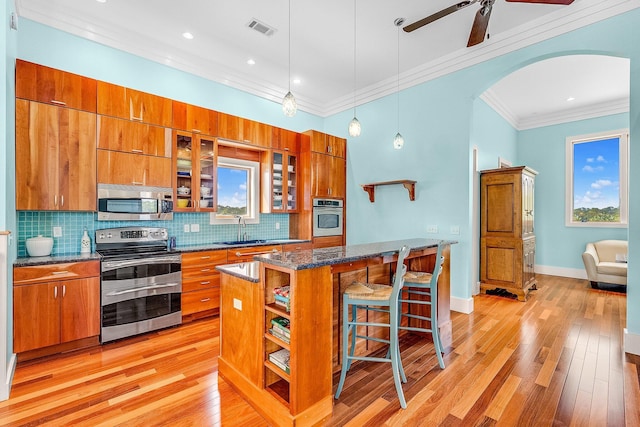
246	270
312	258
55	259
217	246
58	259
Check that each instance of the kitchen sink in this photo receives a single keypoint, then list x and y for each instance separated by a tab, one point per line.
242	242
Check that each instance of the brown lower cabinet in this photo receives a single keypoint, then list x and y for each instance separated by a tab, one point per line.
201	283
55	304
327	242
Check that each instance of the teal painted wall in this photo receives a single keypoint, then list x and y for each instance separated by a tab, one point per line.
440	128
493	136
543	149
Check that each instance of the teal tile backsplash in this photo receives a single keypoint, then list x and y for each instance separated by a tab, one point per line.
34	223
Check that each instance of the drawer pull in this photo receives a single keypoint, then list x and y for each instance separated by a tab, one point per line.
137	151
205	257
239	254
60	272
53	101
205	283
196	130
137	183
205	270
205	299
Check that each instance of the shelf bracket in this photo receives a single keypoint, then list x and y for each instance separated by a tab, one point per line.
406	183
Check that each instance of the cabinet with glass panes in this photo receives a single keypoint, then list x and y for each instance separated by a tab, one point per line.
194	172
284	186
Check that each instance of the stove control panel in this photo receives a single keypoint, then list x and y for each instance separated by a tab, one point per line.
131	235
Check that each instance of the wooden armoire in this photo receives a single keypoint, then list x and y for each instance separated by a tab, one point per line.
507	239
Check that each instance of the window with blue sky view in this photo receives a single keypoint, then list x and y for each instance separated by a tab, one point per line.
232	191
599	180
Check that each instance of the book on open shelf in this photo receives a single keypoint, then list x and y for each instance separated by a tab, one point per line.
282	297
280	358
280	328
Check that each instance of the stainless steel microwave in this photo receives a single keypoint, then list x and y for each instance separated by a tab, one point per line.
134	203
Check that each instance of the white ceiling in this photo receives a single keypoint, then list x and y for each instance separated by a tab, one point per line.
322	46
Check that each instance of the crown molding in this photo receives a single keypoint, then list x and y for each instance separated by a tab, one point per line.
607	108
548	26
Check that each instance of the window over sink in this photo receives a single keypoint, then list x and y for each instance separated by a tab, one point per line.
238	191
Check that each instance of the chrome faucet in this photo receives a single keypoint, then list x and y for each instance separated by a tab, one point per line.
241	224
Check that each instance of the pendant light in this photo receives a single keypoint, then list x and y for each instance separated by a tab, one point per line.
354	124
398	141
289	104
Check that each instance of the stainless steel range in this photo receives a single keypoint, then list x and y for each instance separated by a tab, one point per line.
141	281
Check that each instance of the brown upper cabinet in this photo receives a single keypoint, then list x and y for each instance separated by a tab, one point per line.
247	131
285	140
195	171
327	144
43	84
131	137
116	167
192	118
55	158
125	103
328	176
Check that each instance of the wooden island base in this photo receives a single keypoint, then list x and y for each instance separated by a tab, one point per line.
304	395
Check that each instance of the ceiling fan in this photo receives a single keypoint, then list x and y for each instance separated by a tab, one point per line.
480	23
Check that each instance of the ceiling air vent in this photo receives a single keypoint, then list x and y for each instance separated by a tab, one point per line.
261	27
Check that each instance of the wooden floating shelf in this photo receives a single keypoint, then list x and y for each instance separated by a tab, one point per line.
408	184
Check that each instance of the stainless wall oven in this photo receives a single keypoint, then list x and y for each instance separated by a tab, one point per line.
141	282
327	217
131	202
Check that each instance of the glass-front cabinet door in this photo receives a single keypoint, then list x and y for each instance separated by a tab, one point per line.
207	173
284	182
195	172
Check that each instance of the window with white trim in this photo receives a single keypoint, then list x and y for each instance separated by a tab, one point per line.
596	179
238	191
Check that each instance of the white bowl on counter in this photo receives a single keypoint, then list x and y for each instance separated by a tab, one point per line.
39	246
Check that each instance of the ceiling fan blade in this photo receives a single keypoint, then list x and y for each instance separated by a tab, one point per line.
564	2
444	12
480	25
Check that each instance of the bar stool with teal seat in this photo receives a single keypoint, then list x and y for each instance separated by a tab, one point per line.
374	298
420	292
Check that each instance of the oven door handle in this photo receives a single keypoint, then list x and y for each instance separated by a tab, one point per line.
143	288
113	265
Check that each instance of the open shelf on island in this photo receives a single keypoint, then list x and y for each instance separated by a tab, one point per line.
408	184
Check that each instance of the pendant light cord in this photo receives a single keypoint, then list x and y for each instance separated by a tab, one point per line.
398	86
289	35
354	57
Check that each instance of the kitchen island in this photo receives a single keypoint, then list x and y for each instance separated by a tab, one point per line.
299	391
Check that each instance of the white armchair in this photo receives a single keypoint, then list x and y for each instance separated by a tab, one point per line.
605	261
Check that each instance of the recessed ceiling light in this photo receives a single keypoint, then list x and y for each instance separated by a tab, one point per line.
251	62
571	98
101	1
296	81
187	35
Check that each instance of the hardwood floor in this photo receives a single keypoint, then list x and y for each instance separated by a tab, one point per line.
555	360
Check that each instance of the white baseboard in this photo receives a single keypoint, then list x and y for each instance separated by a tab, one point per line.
462	305
631	343
6	388
574	273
